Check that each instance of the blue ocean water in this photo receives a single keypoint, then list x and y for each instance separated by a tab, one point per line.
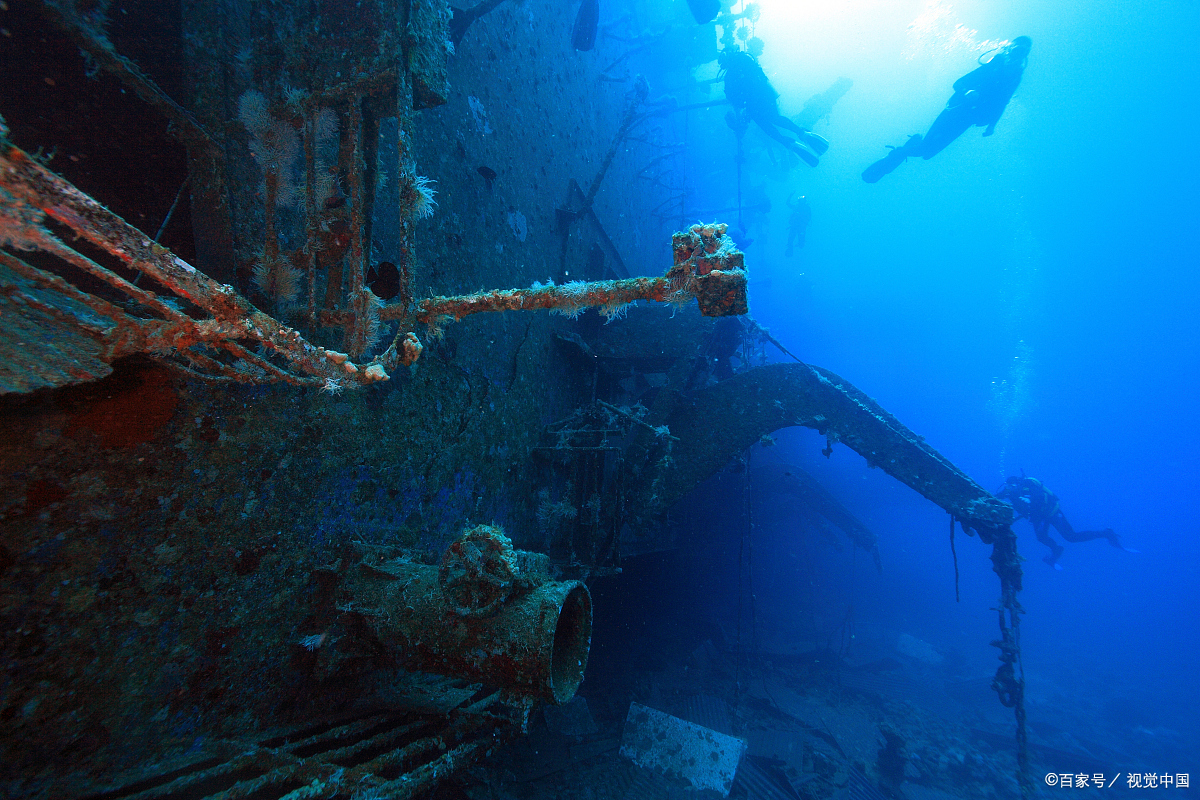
1025	302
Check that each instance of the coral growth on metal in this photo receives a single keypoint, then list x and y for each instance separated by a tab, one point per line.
709	267
477	571
76	310
201	326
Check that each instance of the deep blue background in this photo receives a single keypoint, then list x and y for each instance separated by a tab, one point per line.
1025	301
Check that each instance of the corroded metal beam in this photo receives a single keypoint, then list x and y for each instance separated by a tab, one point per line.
706	266
716	423
32	197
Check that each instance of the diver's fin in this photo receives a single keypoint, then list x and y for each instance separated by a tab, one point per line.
884	165
705	11
1115	541
583	35
819	144
893	159
806	155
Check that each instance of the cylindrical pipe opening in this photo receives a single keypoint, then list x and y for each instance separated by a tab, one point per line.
572	643
536	642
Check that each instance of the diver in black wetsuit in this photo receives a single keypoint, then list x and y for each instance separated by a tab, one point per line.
752	96
980	97
797	223
1033	501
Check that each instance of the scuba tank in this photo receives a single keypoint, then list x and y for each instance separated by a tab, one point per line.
705	11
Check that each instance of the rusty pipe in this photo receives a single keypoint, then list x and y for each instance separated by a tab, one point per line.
536	643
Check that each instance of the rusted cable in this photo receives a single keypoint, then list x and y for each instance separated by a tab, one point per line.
954	555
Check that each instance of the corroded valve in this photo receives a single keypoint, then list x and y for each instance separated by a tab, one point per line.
478	571
488	613
708	266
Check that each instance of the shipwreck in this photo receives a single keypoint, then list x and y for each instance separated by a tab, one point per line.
194	604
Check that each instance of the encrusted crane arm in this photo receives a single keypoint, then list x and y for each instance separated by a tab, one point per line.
209	329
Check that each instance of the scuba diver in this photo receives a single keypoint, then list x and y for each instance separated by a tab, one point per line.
752	96
1033	501
980	97
715	360
797	222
